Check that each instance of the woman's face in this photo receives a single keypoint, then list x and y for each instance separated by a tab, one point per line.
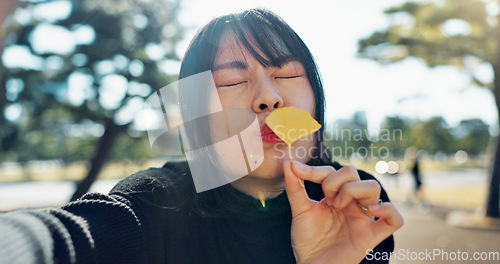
242	82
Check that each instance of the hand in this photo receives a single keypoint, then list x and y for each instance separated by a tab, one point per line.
337	228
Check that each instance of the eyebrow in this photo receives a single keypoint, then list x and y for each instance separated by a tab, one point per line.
240	65
232	65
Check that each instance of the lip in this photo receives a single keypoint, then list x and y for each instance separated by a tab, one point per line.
268	135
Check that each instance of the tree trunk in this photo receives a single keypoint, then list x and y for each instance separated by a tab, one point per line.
493	200
7	7
104	147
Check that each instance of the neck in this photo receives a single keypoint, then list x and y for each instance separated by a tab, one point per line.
251	186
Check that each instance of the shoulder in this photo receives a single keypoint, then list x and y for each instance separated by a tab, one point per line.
168	176
156	185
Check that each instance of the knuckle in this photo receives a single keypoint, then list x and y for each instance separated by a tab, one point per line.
399	220
330	185
351	171
330	175
330	170
373	184
347	188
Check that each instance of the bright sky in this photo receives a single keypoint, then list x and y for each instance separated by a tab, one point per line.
331	30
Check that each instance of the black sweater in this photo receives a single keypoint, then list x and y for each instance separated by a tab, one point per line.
155	216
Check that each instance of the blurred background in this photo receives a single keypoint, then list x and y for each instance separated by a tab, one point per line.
410	90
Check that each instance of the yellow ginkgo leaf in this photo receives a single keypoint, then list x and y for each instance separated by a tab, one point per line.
290	124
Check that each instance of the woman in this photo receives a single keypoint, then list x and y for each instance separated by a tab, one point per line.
156	216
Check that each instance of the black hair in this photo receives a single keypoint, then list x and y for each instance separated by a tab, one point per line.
260	32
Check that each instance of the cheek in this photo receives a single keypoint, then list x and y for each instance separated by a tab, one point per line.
234	98
227	100
302	98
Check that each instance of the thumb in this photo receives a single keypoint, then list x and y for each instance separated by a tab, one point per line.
297	196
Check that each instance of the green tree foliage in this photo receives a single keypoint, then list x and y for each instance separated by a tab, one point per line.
473	136
347	137
457	33
90	92
452	32
395	135
359	137
434	136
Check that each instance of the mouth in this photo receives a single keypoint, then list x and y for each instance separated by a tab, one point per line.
268	135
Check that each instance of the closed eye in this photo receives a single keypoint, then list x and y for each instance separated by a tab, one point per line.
234	84
288	77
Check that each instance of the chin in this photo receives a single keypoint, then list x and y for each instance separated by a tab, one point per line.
269	169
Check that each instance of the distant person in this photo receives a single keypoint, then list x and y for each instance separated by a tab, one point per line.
417	177
156	216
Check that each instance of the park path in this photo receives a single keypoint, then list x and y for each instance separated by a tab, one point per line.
43	194
426	237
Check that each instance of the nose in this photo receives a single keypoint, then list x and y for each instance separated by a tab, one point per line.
267	97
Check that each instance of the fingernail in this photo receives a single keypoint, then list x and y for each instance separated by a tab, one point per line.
374	207
298	165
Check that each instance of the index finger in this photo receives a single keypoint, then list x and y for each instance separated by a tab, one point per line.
315	174
297	195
